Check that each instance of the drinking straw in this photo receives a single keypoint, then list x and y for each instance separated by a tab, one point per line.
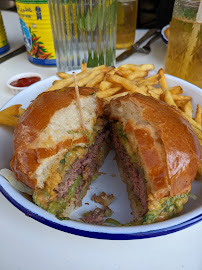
192	40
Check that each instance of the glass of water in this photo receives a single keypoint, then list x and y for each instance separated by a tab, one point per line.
84	31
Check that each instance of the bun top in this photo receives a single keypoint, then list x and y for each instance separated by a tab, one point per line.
51	124
168	149
38	114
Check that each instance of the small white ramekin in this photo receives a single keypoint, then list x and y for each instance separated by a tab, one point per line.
14	89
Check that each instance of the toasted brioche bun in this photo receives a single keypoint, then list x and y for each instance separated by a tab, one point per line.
166	146
44	132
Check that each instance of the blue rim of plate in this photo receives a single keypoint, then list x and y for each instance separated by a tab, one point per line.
163	36
99	235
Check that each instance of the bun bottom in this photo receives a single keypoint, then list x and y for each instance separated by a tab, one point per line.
160	210
146	210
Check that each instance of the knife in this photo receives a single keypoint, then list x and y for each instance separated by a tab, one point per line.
135	46
12	54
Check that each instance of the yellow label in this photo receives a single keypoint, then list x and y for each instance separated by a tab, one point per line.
3	38
36	28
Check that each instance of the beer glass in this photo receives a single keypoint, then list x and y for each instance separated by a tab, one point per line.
184	52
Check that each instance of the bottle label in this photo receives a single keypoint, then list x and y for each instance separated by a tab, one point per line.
36	29
3	39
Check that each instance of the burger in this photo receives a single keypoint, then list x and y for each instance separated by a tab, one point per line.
54	155
157	154
157	151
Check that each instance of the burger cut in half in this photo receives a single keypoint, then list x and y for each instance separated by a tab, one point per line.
157	155
55	156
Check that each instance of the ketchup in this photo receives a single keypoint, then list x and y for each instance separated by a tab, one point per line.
23	82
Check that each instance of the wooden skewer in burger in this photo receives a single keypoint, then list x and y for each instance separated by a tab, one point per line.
79	101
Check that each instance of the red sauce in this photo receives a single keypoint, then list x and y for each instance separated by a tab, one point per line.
23	82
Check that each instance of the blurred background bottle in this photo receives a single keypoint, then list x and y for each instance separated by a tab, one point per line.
184	52
126	23
4	46
36	29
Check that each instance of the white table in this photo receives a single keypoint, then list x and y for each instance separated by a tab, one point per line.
26	244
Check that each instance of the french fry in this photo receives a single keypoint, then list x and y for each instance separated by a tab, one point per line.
157	91
191	121
105	85
116	96
131	75
184	98
112	71
143	89
131	86
86	79
97	86
109	92
11	111
162	80
152	80
21	111
188	109
181	103
8	120
198	117
96	80
119	73
198	133
102	67
169	99
123	72
133	67
54	82
83	67
63	75
175	90
154	95
136	74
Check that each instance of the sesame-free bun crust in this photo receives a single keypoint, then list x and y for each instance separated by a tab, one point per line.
33	140
167	148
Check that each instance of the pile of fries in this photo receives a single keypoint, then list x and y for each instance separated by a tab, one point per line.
114	82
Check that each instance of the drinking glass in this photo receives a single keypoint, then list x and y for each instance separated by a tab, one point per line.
184	52
83	31
126	23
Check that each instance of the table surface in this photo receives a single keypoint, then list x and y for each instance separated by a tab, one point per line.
26	244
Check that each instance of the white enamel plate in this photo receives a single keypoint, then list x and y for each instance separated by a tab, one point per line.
108	182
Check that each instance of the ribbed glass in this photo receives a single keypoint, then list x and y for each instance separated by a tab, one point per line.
83	31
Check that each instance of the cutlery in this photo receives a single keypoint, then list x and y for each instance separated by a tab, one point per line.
135	46
147	49
12	54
